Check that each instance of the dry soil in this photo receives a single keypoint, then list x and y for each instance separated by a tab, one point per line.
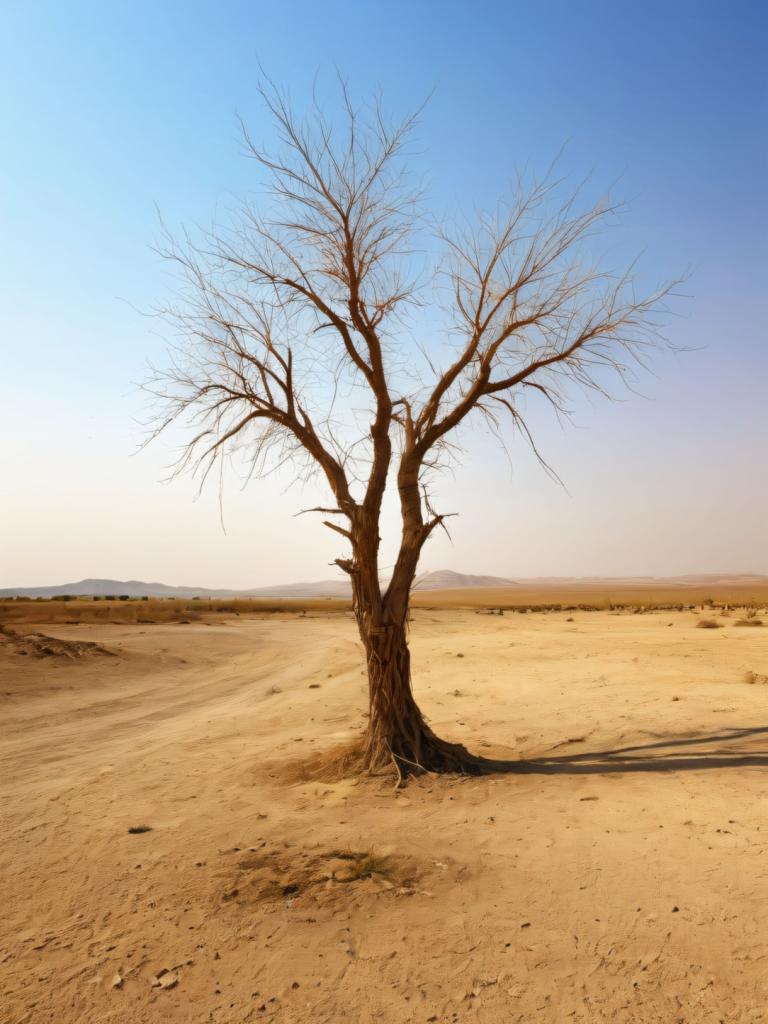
620	875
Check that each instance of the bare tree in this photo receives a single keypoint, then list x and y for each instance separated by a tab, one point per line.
280	315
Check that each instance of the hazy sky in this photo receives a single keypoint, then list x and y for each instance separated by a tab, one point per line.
110	110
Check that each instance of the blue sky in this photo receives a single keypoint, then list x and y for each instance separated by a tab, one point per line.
111	110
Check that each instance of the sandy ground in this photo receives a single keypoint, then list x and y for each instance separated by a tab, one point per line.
622	876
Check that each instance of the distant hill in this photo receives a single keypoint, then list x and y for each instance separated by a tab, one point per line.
443	579
137	588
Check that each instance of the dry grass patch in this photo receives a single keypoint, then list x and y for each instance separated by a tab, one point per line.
342	761
273	875
707	624
155	609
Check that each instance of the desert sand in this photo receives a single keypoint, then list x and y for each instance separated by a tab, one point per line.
620	875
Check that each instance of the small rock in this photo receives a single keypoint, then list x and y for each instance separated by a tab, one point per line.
117	980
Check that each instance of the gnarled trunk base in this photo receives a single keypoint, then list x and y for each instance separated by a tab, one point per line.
397	735
418	754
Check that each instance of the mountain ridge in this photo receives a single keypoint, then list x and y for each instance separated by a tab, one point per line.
442	579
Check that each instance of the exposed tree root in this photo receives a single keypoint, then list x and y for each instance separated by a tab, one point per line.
355	760
434	756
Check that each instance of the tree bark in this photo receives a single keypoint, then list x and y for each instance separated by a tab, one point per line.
397	733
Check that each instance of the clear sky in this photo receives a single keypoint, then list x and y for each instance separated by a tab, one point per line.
110	110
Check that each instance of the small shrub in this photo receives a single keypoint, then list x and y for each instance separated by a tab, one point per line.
748	622
367	865
707	624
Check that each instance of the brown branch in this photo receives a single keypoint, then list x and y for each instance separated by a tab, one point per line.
282	317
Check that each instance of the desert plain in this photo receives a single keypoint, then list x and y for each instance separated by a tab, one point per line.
169	853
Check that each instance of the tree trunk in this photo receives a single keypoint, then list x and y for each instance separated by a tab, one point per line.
397	733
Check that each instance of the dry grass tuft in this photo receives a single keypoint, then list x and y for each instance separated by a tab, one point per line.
365	865
748	622
343	761
707	624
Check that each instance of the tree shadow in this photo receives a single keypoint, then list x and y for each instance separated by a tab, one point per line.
727	748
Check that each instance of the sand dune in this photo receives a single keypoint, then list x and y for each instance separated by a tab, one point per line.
618	877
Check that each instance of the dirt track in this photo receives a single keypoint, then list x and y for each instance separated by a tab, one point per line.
621	877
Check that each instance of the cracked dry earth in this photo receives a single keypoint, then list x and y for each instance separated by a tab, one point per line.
621	875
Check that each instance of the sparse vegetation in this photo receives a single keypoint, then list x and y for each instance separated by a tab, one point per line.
707	624
488	600
366	865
